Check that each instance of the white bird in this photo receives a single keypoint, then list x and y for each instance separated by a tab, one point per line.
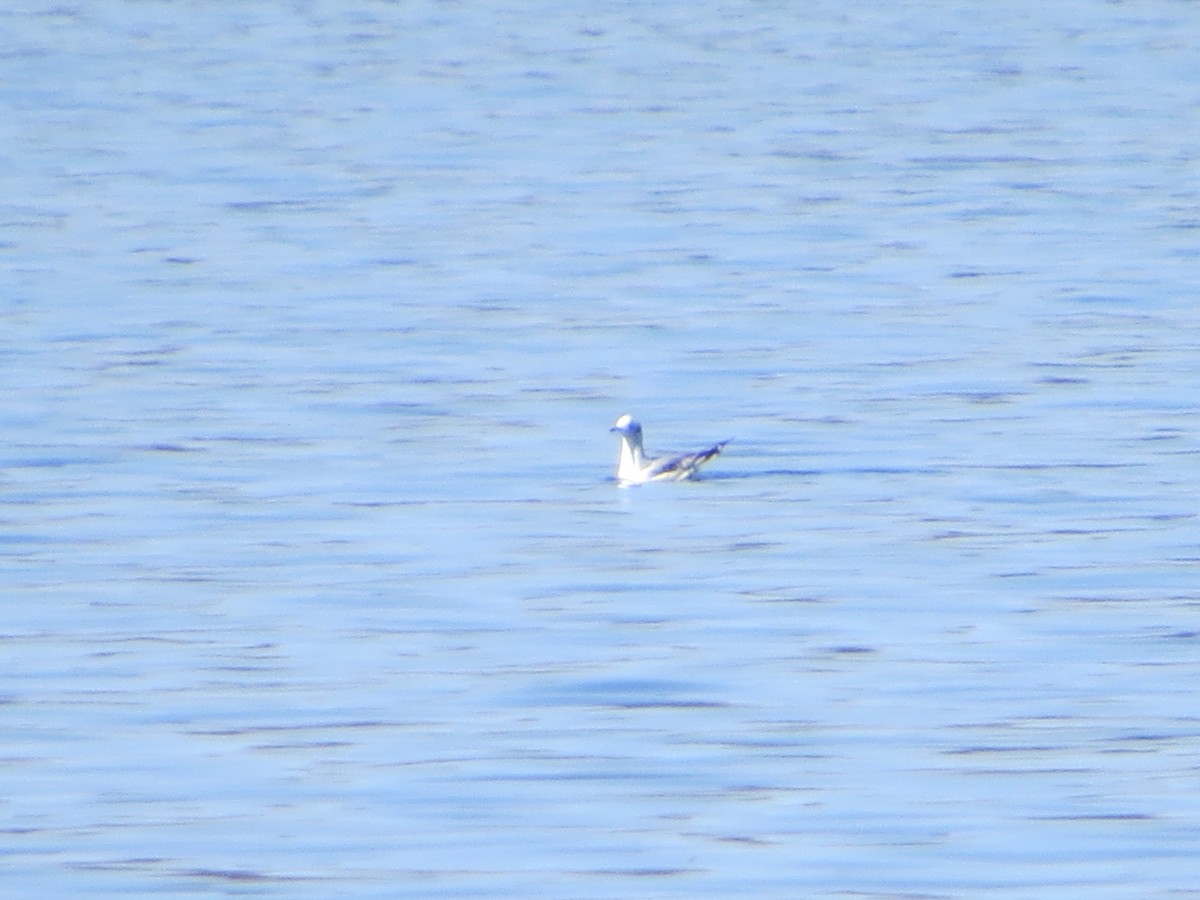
633	467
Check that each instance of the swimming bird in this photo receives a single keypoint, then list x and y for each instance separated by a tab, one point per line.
633	467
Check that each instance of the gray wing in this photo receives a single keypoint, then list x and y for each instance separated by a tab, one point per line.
684	466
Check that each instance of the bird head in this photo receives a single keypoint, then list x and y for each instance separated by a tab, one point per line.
626	426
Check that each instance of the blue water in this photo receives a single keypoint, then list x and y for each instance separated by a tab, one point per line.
315	579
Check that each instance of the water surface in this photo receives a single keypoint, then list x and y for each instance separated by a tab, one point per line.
315	579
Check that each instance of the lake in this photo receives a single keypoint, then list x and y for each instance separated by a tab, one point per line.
316	580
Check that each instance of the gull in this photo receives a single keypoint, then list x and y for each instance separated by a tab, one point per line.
634	468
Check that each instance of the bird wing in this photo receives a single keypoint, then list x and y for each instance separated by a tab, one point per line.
680	467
